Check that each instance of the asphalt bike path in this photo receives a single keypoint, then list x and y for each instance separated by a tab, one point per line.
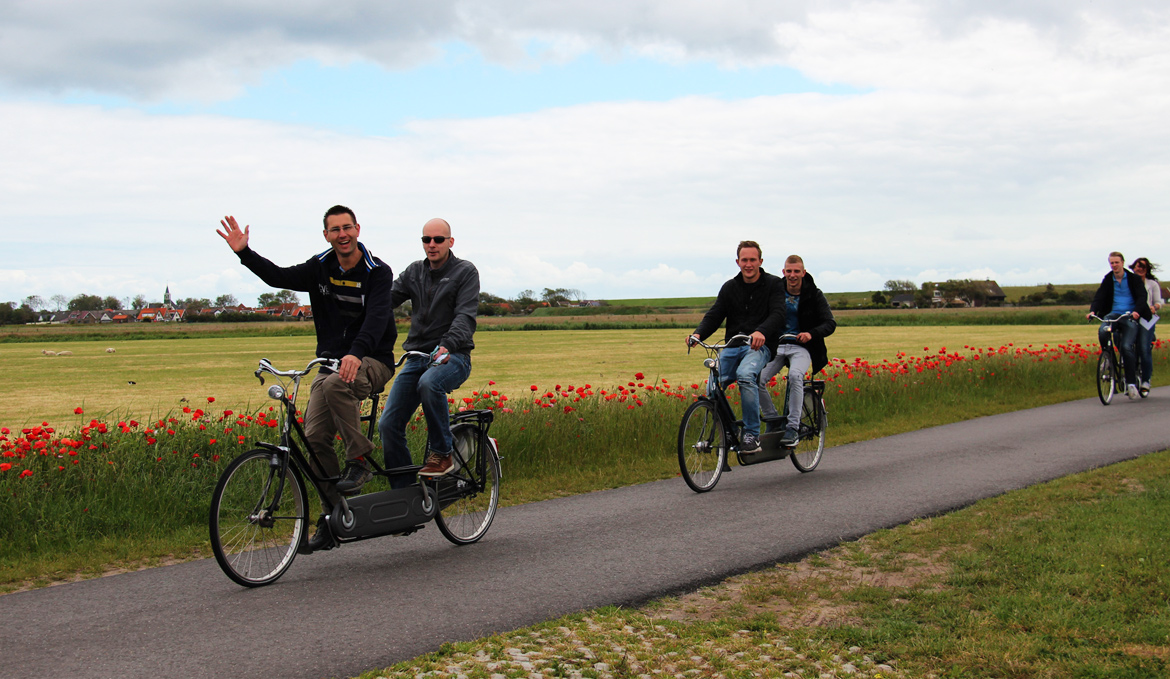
374	603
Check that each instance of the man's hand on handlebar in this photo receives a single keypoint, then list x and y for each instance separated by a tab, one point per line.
757	340
804	337
440	355
692	340
348	368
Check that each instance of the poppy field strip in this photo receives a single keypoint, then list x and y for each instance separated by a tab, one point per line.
66	487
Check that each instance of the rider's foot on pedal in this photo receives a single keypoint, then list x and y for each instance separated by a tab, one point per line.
356	473
437	464
321	540
790	437
1131	391
750	444
1145	388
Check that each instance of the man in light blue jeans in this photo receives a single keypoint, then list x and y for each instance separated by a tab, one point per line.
418	383
807	321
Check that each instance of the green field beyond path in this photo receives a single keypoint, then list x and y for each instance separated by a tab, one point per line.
48	388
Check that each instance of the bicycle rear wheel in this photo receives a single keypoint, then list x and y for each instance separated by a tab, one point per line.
806	455
1105	376
468	497
702	446
258	517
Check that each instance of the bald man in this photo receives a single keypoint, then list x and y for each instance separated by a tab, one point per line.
444	295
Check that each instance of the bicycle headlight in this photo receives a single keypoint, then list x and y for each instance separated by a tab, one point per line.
276	392
709	363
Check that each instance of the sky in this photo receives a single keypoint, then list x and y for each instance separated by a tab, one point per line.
619	147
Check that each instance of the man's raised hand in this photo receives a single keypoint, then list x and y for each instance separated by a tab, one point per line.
237	238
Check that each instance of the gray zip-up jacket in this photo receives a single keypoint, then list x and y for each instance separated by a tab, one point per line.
445	302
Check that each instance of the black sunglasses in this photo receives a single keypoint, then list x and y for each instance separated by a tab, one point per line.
438	239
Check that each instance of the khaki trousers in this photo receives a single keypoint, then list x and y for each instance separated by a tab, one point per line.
334	408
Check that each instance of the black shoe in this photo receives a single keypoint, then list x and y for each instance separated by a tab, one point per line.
354	477
790	438
321	540
749	444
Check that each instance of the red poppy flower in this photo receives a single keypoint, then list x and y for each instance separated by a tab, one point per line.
78	411
211	399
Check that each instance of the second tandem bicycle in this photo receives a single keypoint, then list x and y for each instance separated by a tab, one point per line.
709	429
260	510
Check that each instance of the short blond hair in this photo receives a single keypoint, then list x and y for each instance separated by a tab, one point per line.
794	258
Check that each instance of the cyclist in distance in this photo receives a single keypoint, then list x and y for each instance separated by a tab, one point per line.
808	316
1145	340
349	291
752	303
1122	296
444	295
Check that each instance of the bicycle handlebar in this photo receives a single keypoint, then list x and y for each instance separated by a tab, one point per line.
267	367
717	346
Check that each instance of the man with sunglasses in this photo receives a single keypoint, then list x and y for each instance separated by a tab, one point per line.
444	295
349	291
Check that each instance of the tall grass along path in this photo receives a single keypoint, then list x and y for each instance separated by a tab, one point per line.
544	559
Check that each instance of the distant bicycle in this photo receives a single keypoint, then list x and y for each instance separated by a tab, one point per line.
709	430
260	510
1111	365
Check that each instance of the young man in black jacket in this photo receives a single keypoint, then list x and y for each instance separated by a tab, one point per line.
752	303
808	316
349	291
1122	296
444	295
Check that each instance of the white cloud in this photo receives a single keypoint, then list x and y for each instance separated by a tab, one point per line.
1018	149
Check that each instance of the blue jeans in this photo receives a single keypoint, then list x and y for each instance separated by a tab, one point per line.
1145	351
418	383
798	361
1125	332
742	365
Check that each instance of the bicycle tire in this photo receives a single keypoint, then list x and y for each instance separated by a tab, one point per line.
806	454
1105	377
253	544
702	446
469	497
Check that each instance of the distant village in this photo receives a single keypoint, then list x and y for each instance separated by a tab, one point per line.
167	312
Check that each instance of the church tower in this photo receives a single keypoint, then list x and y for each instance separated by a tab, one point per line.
167	299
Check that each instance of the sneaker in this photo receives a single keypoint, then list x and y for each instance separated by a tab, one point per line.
1144	389
437	465
1131	391
321	540
356	474
790	437
750	444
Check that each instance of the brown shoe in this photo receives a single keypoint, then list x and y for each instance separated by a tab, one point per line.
437	465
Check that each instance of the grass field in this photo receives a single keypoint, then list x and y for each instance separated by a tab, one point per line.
167	370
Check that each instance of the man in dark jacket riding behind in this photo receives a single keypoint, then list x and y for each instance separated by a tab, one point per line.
444	295
808	317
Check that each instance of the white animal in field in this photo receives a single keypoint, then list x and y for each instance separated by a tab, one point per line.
64	353
48	353
110	350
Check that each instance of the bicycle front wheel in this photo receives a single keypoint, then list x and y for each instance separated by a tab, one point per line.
702	447
469	496
806	455
258	517
1105	379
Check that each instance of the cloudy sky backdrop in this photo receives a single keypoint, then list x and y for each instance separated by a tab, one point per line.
621	147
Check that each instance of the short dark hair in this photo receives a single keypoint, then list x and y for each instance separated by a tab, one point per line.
749	244
338	210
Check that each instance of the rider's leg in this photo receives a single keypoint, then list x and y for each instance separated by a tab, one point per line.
767	408
401	403
433	388
1126	333
320	431
344	404
799	363
1145	350
747	376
